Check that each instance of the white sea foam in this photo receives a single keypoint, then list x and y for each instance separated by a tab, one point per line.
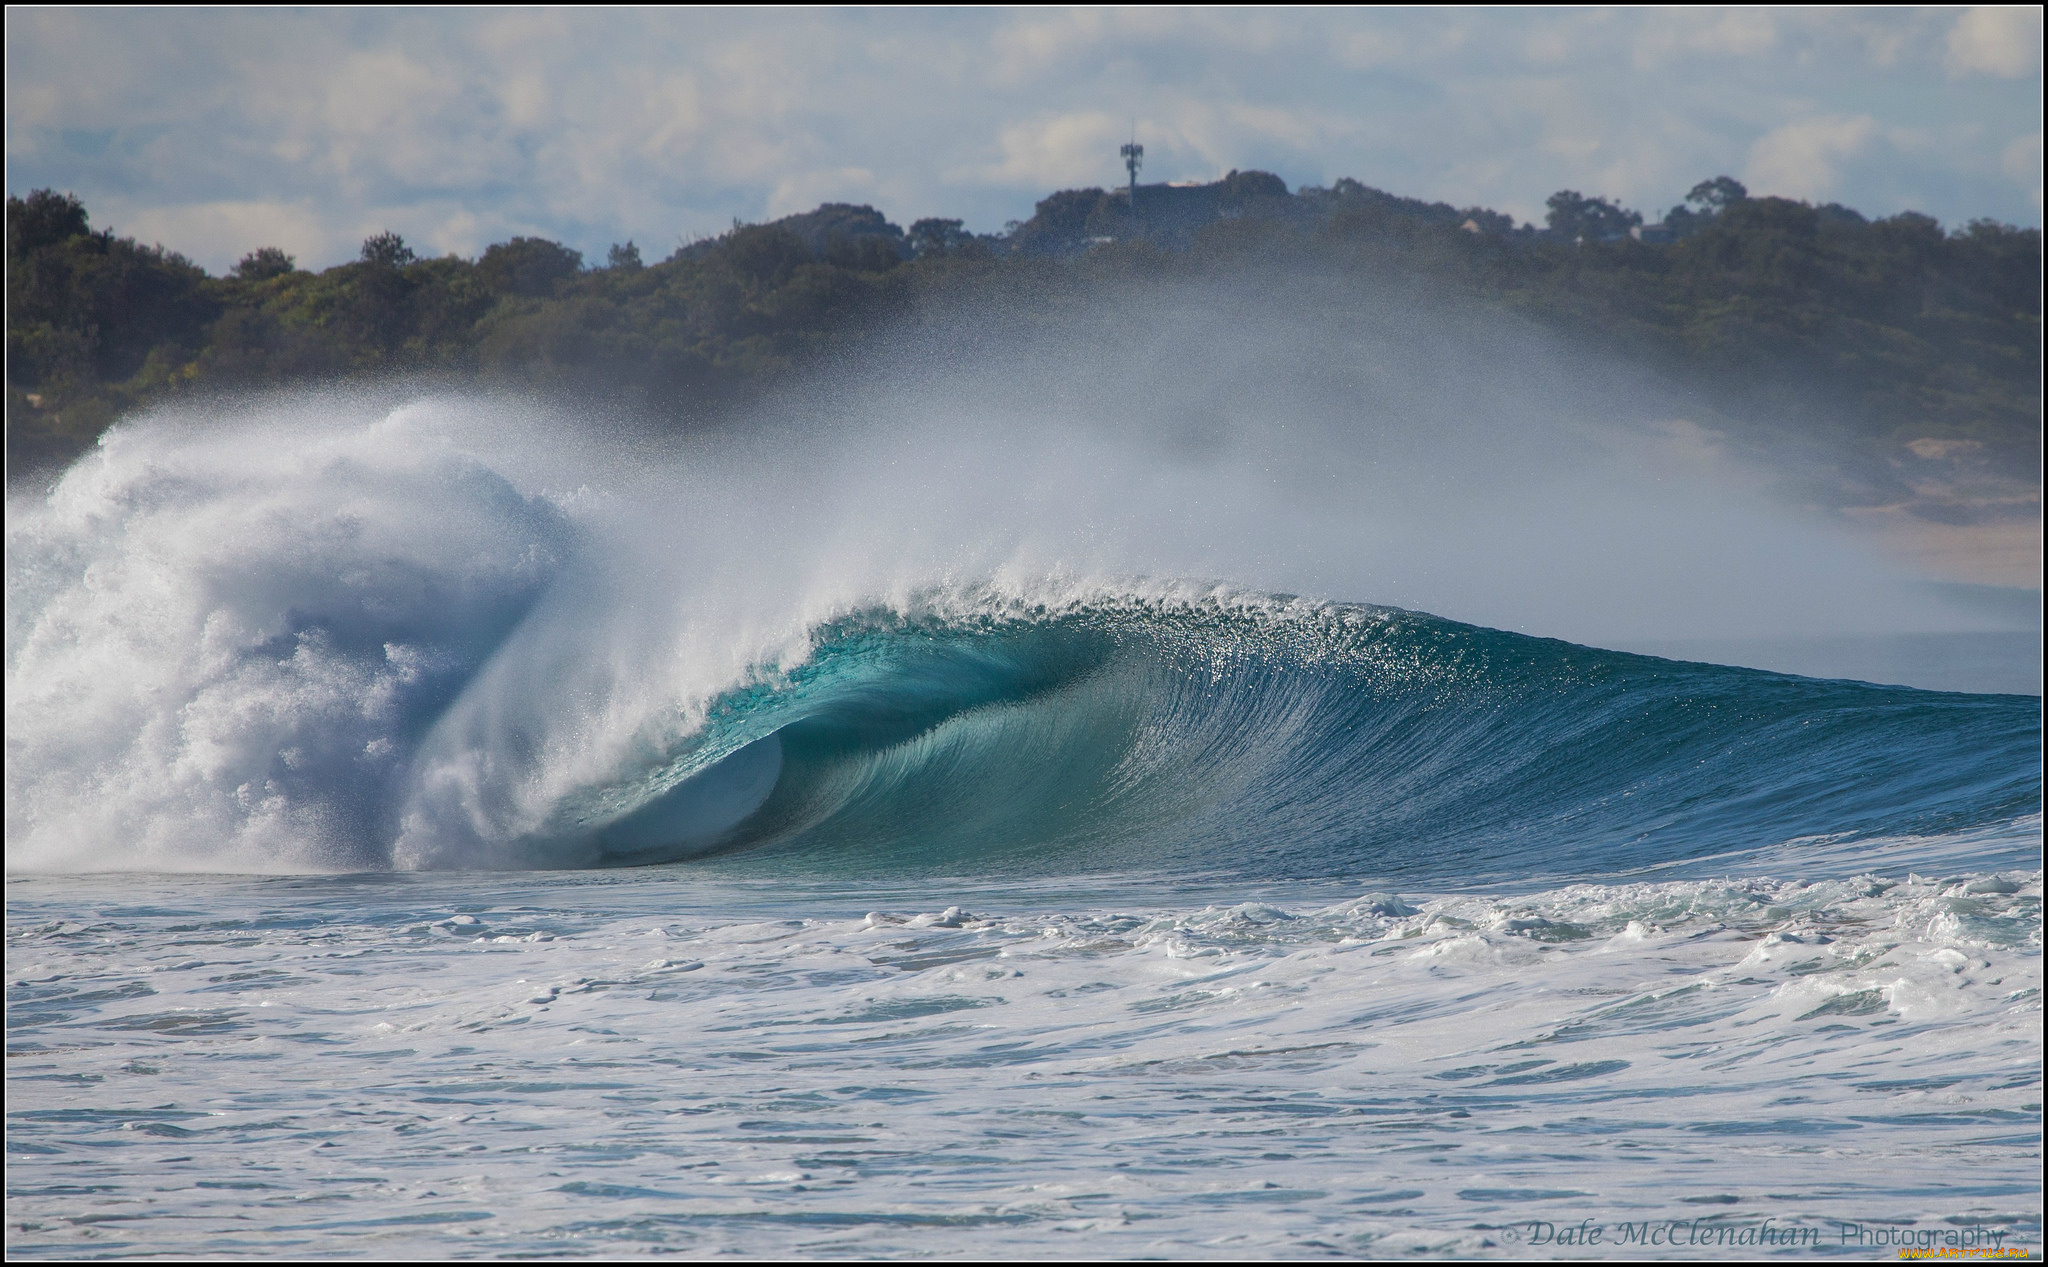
653	1063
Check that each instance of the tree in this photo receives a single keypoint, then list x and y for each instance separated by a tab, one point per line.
1706	200
933	236
1059	223
1567	214
763	256
1243	188
85	308
387	250
626	257
264	263
530	267
1488	221
849	222
1581	219
1717	195
44	218
866	253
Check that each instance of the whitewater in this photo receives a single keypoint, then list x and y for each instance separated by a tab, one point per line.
445	825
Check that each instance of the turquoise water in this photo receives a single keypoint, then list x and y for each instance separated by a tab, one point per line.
1276	739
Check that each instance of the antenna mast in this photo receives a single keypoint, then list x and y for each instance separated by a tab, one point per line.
1134	154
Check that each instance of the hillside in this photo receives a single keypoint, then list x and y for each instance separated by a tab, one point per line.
1912	351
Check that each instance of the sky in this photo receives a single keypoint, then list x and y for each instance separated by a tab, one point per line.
216	131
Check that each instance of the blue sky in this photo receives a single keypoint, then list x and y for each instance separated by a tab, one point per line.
216	131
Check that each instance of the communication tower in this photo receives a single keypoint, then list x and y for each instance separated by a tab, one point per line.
1134	155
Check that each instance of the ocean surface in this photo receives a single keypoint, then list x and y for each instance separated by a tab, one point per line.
394	873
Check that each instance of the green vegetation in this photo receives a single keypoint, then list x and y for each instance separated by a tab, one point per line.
1870	334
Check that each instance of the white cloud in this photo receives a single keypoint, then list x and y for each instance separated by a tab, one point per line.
1056	150
386	112
1885	47
2001	40
672	114
1548	48
1025	48
1047	43
1302	129
457	232
1368	49
1673	34
1738	32
1570	120
1800	160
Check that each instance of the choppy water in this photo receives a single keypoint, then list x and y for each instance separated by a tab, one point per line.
660	1062
626	898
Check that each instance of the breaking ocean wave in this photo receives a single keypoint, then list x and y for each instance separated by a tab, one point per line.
369	651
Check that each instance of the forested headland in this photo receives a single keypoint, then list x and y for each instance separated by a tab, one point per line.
1924	342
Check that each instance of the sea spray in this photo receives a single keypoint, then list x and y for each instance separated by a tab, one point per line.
442	635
